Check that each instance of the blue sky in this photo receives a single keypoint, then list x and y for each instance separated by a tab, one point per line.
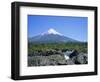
73	27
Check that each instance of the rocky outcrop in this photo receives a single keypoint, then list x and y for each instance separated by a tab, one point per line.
74	53
81	58
56	57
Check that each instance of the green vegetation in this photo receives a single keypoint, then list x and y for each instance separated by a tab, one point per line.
80	47
53	54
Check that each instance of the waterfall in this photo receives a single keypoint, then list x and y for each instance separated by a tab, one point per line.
67	54
66	57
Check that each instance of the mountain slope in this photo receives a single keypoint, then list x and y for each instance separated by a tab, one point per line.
51	36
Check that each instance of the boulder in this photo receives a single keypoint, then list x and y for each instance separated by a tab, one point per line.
74	53
81	58
69	62
64	50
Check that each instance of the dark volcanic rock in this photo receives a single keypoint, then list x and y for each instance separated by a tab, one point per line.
64	50
62	62
69	62
56	57
81	58
74	53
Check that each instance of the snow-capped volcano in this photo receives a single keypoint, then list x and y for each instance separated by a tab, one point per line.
51	36
52	31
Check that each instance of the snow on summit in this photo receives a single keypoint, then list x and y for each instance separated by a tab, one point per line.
52	31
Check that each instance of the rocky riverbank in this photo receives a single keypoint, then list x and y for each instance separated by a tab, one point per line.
56	57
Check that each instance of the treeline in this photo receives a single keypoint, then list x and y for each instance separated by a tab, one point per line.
80	47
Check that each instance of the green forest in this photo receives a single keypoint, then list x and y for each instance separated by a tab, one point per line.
80	47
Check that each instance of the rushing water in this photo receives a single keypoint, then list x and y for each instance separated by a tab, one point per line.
67	54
